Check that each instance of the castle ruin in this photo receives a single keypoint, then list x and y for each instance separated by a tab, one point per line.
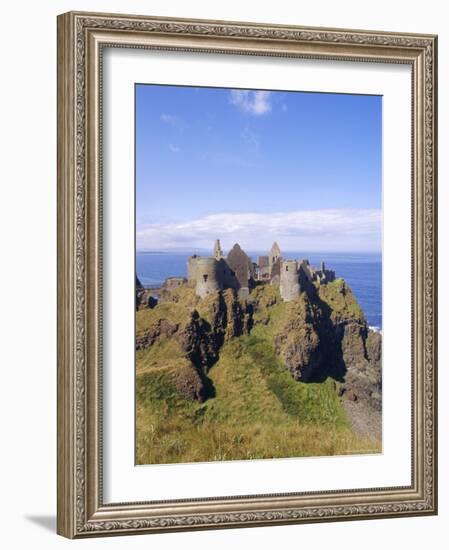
210	274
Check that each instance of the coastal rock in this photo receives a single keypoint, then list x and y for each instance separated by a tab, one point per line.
163	328
297	340
229	317
374	347
238	316
353	343
362	356
301	353
198	342
190	384
357	347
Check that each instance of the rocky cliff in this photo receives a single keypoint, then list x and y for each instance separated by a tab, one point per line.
321	335
199	328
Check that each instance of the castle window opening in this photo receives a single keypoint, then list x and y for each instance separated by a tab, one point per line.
205	277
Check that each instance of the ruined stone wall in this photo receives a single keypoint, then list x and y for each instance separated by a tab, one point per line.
227	275
239	262
173	282
306	270
275	272
274	257
262	271
218	252
238	272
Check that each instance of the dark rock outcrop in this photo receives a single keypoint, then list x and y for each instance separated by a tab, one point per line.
198	342
163	328
297	340
202	339
362	355
374	347
190	384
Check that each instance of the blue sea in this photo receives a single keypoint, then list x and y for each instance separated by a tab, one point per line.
363	273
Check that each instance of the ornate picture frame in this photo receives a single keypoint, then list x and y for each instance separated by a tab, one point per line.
82	38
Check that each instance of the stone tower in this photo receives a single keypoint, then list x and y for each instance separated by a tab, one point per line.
289	280
191	268
274	256
206	274
218	253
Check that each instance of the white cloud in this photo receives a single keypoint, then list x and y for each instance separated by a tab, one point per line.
173	148
307	230
255	103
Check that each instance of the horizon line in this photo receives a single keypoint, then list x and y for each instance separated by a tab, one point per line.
313	251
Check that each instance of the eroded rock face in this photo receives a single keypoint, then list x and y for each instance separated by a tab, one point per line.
229	318
199	342
306	340
238	316
190	384
356	347
147	338
297	340
361	354
352	342
374	347
200	338
301	354
363	379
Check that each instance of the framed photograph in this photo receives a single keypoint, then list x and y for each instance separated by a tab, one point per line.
246	274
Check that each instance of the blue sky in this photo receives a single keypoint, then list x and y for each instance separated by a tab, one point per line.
304	169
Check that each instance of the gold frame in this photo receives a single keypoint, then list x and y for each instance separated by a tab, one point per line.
81	37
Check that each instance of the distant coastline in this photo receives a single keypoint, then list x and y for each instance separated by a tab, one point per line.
256	252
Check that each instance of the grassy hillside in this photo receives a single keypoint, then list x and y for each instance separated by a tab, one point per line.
258	409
